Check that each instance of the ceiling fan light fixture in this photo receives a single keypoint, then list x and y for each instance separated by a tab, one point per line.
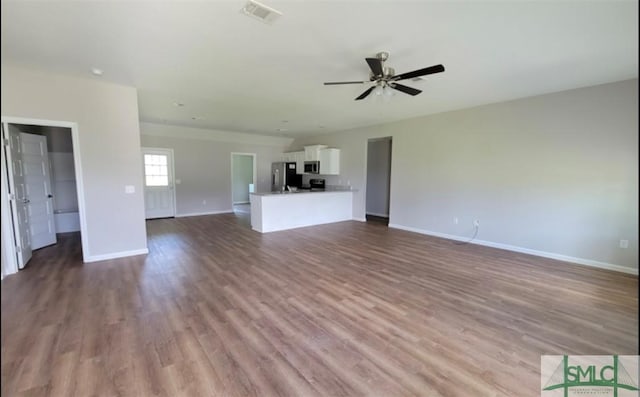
379	90
388	91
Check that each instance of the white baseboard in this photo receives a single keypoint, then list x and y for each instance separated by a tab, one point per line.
380	215
204	213
360	219
544	254
115	255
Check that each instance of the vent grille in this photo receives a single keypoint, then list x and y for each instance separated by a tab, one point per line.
260	11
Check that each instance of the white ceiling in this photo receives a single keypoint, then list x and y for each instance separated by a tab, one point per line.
239	74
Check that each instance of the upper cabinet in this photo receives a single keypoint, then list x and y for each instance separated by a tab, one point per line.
329	161
289	156
312	153
297	157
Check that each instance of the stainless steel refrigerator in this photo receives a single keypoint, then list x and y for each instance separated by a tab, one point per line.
284	174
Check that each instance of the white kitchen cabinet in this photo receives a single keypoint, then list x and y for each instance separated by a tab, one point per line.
297	157
287	157
329	161
312	153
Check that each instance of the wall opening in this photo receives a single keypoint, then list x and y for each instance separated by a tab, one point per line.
243	180
43	191
378	179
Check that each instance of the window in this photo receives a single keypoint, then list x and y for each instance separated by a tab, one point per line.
156	172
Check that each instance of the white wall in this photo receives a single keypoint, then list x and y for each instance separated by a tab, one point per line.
378	176
202	162
555	174
109	140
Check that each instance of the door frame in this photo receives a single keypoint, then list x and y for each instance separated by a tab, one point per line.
172	182
255	172
10	260
366	172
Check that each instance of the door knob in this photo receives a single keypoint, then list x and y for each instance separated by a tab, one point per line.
26	201
49	195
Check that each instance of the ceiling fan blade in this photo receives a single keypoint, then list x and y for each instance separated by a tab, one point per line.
365	94
376	66
405	89
344	82
420	72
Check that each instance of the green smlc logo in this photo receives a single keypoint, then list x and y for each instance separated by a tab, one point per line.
606	371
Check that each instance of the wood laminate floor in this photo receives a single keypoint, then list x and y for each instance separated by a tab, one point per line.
347	309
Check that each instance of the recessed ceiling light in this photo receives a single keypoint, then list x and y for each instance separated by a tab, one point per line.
97	72
178	104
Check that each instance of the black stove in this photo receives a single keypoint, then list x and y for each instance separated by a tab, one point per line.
315	185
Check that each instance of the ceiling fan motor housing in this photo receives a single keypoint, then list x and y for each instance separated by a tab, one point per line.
387	73
383	56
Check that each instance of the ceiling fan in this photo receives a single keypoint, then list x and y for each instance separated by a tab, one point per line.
385	77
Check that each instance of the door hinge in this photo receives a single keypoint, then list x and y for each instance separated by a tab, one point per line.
5	141
11	196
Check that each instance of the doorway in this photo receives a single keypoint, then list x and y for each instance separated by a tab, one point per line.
378	180
243	181
42	189
159	192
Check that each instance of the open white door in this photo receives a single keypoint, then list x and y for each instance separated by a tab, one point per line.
158	183
37	177
17	195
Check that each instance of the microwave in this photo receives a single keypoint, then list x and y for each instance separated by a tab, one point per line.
311	167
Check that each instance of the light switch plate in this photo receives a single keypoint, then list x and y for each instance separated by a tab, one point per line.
129	189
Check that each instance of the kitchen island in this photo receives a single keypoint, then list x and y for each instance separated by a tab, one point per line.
275	211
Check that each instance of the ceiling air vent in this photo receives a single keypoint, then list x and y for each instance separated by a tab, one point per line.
260	11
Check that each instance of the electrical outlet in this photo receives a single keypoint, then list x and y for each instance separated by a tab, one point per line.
455	220
624	243
476	223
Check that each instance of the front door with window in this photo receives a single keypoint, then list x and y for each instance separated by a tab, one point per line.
158	183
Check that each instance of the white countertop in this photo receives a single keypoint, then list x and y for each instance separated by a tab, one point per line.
299	192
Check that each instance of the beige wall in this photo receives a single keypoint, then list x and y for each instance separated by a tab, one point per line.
109	140
202	162
554	174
